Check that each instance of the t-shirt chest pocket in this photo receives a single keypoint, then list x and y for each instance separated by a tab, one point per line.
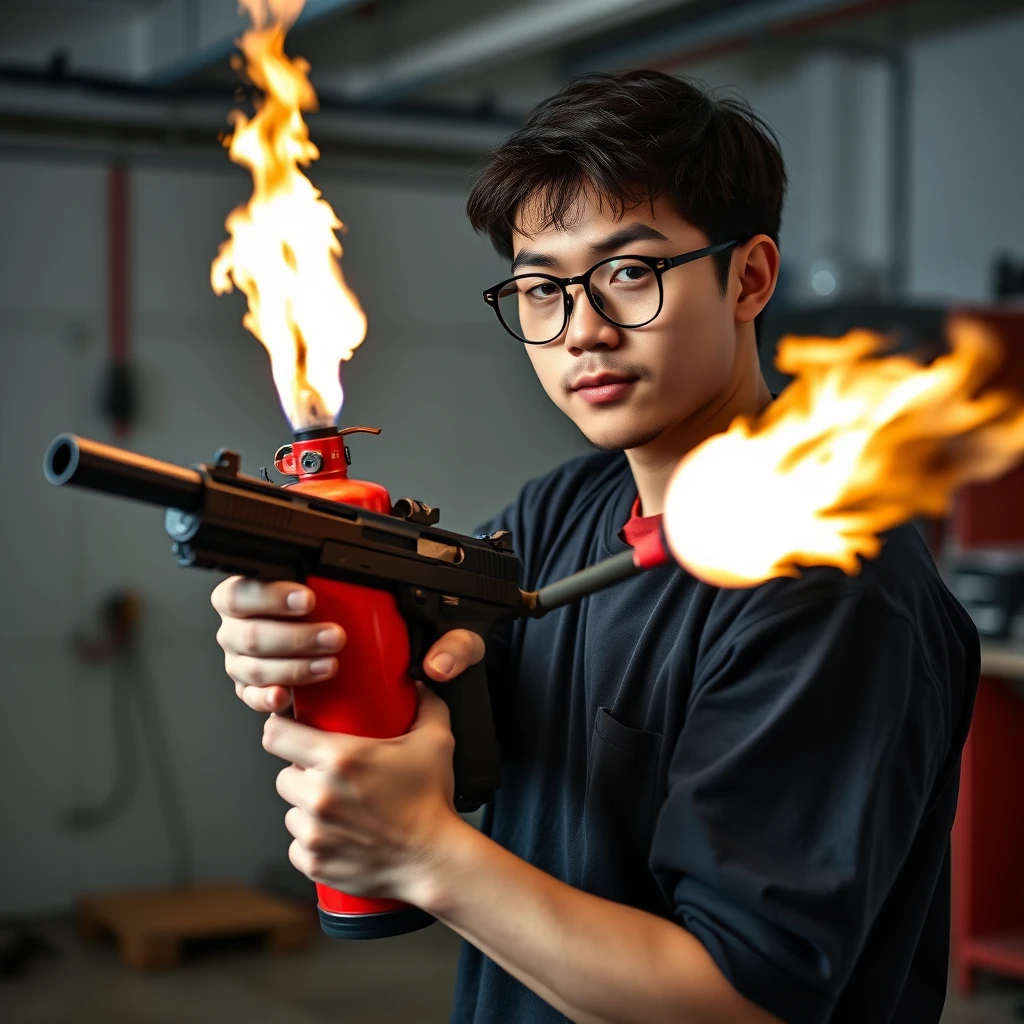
619	811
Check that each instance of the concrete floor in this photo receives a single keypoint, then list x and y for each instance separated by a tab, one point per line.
998	1001
406	979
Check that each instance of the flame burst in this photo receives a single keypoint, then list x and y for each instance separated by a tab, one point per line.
857	443
283	248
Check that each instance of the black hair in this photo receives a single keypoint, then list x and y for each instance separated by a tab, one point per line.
634	137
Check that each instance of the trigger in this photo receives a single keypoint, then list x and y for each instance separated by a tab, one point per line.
419	644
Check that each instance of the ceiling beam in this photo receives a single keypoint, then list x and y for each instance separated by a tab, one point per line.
520	29
26	97
185	36
159	44
725	28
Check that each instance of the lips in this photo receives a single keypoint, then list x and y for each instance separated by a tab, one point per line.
603	388
597	380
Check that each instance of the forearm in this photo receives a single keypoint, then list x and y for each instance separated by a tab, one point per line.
596	961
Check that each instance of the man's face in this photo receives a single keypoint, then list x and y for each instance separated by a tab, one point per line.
644	380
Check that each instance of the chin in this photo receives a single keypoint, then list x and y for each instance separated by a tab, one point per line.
620	437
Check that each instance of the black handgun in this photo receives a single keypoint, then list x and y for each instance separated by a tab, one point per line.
219	518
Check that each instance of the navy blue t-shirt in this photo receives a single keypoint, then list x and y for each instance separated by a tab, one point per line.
773	768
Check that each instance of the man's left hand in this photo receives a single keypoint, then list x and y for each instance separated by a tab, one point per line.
369	816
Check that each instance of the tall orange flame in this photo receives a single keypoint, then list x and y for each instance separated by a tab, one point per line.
856	444
283	249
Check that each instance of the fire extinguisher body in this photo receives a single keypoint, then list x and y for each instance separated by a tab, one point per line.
372	693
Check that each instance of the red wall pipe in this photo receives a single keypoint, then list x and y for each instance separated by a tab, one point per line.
118	227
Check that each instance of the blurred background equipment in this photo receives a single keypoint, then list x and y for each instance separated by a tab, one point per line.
131	695
19	946
985	561
899	121
153	924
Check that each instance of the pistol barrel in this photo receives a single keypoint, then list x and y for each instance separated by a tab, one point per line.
99	467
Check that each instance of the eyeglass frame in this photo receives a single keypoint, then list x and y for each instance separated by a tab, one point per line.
658	264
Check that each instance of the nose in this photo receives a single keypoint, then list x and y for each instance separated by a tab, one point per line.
587	329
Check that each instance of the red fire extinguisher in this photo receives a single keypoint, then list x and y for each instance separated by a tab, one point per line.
372	693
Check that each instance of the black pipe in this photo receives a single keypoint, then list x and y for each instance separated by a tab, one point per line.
587	581
58	77
899	172
84	463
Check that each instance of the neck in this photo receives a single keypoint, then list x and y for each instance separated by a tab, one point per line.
746	395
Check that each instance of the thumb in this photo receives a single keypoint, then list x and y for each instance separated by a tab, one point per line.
452	654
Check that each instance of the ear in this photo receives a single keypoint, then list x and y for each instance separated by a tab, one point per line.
755	268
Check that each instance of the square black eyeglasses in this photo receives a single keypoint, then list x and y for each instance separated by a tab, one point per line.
626	291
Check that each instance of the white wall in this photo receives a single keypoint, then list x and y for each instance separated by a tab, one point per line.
465	423
831	119
967	140
966	155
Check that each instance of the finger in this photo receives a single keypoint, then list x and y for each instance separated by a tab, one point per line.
453	654
270	638
304	790
318	794
240	597
278	671
313	833
333	752
300	825
264	698
318	836
432	710
303	861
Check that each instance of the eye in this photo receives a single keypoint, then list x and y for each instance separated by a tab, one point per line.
631	273
542	290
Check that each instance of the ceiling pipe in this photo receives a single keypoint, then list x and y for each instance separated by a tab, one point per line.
198	53
28	94
725	31
517	31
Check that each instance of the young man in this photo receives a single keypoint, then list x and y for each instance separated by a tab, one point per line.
717	806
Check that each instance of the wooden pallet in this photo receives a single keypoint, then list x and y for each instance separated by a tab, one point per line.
151	925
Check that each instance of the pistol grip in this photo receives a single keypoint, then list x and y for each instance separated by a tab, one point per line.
476	759
476	764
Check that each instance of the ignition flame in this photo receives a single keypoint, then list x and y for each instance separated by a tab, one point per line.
856	444
283	249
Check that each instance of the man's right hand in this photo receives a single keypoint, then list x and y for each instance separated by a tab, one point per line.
269	647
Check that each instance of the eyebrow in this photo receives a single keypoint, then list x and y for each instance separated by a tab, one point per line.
531	258
606	246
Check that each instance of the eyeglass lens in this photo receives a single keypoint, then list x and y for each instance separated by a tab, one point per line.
626	291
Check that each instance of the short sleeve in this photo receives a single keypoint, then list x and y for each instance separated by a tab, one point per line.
811	743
